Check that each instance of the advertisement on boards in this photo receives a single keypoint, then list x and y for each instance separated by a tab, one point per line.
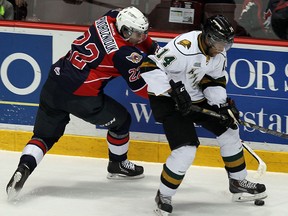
24	64
257	82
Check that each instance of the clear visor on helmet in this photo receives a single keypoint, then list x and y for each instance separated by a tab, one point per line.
137	35
219	44
138	32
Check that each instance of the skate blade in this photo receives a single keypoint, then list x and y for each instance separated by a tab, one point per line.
159	212
11	191
12	194
117	176
246	197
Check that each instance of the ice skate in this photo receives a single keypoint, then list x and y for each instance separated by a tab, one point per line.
17	181
244	190
164	204
124	170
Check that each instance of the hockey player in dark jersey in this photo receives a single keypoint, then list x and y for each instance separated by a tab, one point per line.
113	46
190	69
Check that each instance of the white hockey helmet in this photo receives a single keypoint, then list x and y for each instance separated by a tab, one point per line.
131	20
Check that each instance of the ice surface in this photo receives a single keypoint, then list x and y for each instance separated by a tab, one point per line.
77	186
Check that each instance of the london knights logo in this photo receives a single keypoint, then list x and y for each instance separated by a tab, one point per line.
185	43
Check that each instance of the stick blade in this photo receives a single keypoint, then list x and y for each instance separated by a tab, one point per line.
261	171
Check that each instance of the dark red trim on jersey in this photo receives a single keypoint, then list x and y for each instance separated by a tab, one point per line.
39	144
118	142
143	92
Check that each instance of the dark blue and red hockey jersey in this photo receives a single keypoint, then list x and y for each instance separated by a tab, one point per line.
100	55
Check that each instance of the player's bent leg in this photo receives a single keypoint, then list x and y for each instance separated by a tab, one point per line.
32	154
117	120
119	167
172	175
233	157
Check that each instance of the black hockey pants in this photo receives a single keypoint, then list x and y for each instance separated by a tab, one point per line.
56	105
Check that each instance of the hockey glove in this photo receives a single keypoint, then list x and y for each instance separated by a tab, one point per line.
229	109
180	96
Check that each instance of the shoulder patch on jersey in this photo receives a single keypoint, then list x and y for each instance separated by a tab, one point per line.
134	57
185	43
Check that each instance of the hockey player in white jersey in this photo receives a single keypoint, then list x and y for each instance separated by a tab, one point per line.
190	69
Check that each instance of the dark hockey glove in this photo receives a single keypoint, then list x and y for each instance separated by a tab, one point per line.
180	96
230	110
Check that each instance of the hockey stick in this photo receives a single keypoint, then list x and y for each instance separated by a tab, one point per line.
244	123
207	112
266	130
261	164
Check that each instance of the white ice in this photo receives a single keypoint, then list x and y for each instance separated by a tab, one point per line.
77	186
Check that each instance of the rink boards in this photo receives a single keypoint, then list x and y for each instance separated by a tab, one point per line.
257	81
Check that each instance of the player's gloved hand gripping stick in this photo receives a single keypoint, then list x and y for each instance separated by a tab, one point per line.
262	166
244	123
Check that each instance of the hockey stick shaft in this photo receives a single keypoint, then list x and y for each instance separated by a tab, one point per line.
266	130
244	123
207	112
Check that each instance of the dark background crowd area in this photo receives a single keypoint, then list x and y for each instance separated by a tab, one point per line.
250	18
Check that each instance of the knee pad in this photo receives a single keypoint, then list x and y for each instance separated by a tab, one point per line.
230	142
181	159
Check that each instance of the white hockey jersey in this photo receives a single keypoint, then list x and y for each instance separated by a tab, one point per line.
183	59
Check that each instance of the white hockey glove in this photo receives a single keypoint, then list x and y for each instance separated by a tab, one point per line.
229	109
